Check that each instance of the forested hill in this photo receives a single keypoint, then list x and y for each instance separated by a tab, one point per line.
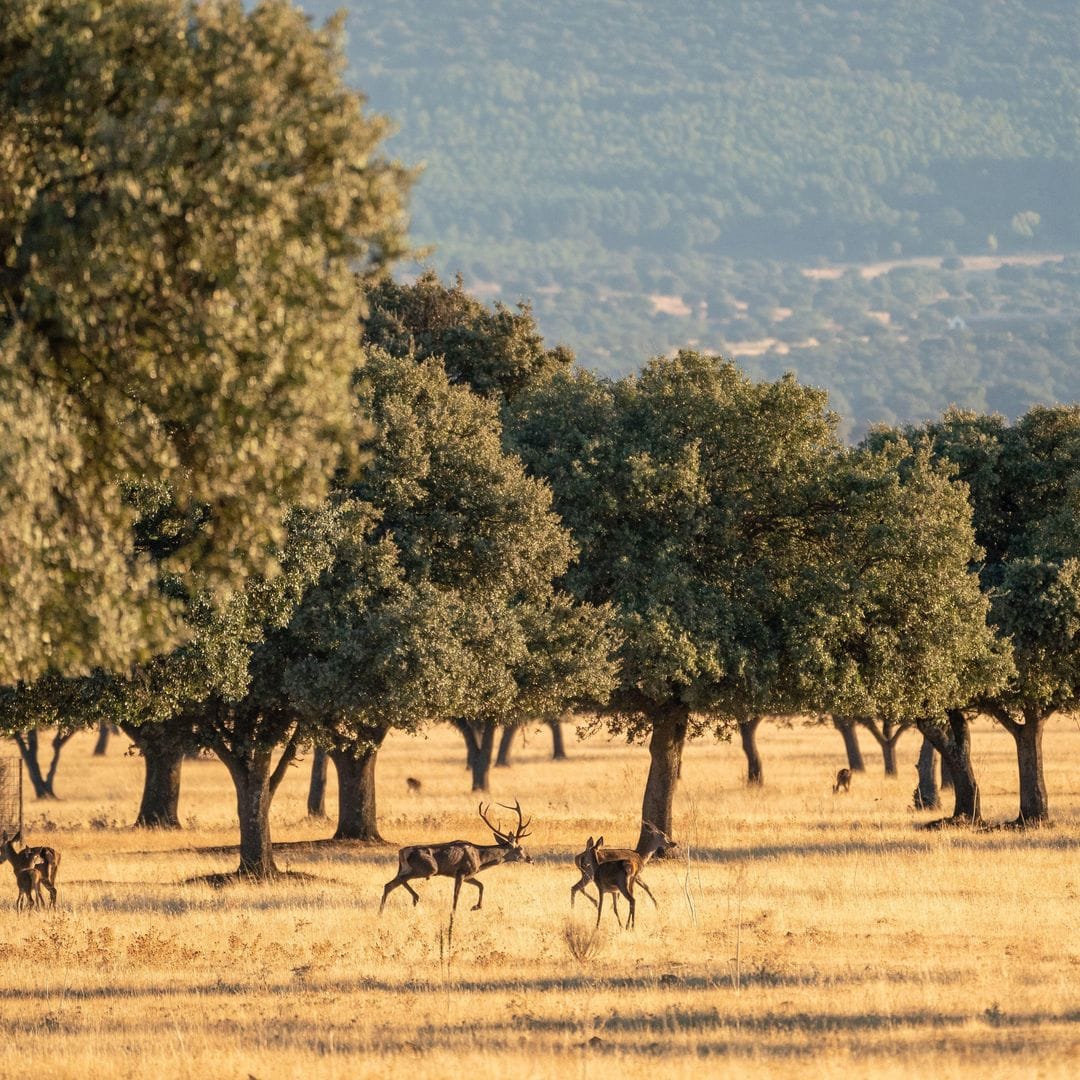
593	156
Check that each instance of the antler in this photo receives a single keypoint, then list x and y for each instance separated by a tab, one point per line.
519	833
484	818
659	832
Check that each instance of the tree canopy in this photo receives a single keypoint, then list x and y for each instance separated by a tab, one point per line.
182	213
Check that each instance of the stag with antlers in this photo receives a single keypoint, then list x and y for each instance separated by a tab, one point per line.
459	859
36	865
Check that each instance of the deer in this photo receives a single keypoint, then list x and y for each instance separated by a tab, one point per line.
459	859
29	882
843	781
616	870
44	859
414	785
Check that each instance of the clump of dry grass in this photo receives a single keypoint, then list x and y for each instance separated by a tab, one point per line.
584	941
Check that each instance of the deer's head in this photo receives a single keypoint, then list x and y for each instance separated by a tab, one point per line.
511	841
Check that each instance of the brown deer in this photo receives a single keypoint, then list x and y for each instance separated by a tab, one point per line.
29	882
843	781
44	859
657	841
616	876
414	785
459	859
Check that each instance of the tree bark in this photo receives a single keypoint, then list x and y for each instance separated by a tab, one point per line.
946	776
357	814
163	757
506	746
316	799
256	779
665	757
886	737
28	747
558	747
105	729
846	726
479	746
926	794
953	743
1034	803
755	774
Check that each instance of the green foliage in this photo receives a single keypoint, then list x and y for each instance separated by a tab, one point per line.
754	564
497	353
186	192
445	607
1024	484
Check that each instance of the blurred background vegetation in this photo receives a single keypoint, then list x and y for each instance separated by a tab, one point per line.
653	176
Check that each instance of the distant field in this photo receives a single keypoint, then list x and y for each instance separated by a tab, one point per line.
806	934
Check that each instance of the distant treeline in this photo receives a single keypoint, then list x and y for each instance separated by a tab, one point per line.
627	148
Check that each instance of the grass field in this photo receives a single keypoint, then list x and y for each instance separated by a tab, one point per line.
805	934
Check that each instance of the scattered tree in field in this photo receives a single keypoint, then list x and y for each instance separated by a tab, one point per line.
1024	483
754	564
183	211
692	494
462	622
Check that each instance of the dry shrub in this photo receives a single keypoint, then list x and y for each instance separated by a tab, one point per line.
585	943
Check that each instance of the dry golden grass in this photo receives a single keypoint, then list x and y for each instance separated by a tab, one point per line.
806	933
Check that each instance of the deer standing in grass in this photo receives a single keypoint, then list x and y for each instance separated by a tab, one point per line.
459	859
43	860
616	870
29	882
843	781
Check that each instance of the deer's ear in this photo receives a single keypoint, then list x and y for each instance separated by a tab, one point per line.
589	844
600	842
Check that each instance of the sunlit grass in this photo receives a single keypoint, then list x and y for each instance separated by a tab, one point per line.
803	931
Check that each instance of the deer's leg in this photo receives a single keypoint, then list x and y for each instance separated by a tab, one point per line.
599	906
393	884
648	892
580	888
457	889
628	891
480	898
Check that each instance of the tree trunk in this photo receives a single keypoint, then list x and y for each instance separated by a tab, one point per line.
357	816
479	747
105	729
160	804
946	776
28	748
665	756
846	726
506	745
255	783
886	737
755	775
953	743
1034	804
926	795
558	747
316	799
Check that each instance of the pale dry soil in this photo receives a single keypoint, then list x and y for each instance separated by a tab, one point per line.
803	933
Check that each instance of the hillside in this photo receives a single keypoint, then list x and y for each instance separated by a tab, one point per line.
594	158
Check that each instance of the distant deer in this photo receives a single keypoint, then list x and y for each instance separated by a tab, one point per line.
45	860
459	859
843	781
413	785
656	842
29	882
614	877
